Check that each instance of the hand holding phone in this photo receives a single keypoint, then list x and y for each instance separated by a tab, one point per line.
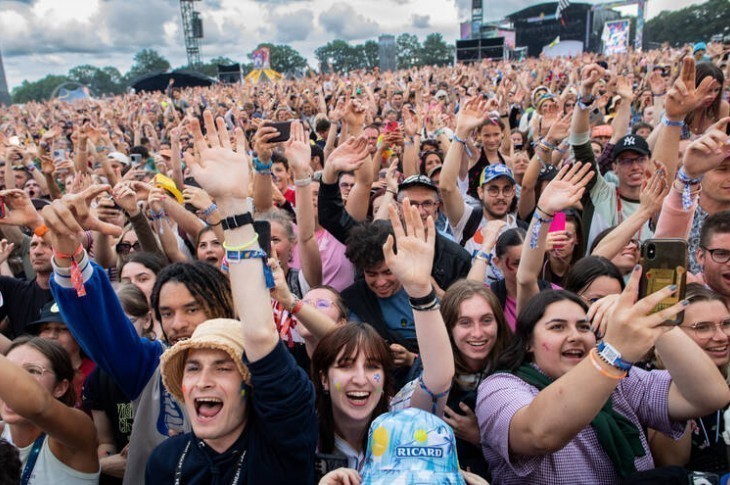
284	129
664	263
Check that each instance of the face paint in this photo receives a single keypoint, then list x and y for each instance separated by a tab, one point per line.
184	389
376	377
338	386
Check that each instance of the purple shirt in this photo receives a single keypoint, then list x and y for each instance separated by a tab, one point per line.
642	397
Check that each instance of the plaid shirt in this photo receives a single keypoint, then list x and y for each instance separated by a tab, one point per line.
642	397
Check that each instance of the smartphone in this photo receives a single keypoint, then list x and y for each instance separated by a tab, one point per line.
136	159
558	224
391	126
14	141
664	263
284	129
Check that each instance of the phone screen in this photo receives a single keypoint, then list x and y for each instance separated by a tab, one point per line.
391	126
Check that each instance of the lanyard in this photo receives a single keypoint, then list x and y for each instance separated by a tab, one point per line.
32	457
621	216
178	470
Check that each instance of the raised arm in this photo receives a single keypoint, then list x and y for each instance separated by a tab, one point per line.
224	174
563	192
69	427
471	116
298	152
412	266
263	195
565	407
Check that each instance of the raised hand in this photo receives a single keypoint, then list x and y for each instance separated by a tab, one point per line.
654	190
566	189
80	204
559	129
19	210
298	151
472	115
465	426
5	249
709	151
349	155
624	89
413	263
126	198
684	97
589	76
222	172
262	144
632	329
197	197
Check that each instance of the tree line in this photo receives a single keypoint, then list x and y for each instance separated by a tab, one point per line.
337	54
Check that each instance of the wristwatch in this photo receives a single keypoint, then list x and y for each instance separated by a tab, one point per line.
612	356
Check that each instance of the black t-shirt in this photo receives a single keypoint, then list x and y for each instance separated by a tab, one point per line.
709	451
22	301
100	393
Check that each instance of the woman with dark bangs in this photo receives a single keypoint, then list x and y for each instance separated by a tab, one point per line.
713	108
352	365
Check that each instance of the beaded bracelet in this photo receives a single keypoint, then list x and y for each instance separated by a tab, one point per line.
303	182
687	192
434	397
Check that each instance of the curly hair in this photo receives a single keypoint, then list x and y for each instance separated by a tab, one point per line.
210	288
365	244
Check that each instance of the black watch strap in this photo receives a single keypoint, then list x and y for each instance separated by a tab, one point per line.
237	221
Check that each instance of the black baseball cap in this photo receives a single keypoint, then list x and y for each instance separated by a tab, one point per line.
417	181
49	313
633	143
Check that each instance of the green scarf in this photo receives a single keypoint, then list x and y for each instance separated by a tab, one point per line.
618	436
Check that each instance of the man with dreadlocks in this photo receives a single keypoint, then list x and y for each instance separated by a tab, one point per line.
185	295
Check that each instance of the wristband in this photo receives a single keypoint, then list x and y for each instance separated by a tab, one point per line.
434	397
482	256
668	122
262	168
687	192
424	299
297	306
238	220
539	221
586	103
391	191
303	182
41	230
235	257
594	360
77	280
243	247
212	208
31	168
537	206
611	356
463	142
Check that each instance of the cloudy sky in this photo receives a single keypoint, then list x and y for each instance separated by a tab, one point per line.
38	37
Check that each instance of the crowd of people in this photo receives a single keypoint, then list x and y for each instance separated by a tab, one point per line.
431	275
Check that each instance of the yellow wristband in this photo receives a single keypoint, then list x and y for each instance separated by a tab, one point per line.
241	248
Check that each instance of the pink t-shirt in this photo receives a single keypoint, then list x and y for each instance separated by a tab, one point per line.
337	270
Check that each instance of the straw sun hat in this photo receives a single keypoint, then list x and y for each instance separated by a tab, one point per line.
217	334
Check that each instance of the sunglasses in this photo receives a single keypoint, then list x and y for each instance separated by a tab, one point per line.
125	247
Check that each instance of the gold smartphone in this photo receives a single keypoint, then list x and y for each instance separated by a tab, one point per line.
664	263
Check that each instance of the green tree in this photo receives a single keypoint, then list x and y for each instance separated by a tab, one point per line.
147	61
691	24
409	51
106	80
283	58
369	53
338	55
39	90
435	51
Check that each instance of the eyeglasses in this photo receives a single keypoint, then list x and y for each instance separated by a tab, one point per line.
319	303
125	247
345	185
635	242
36	370
425	205
628	161
507	190
706	330
718	255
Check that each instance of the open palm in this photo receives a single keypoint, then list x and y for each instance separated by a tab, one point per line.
221	171
566	189
350	155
